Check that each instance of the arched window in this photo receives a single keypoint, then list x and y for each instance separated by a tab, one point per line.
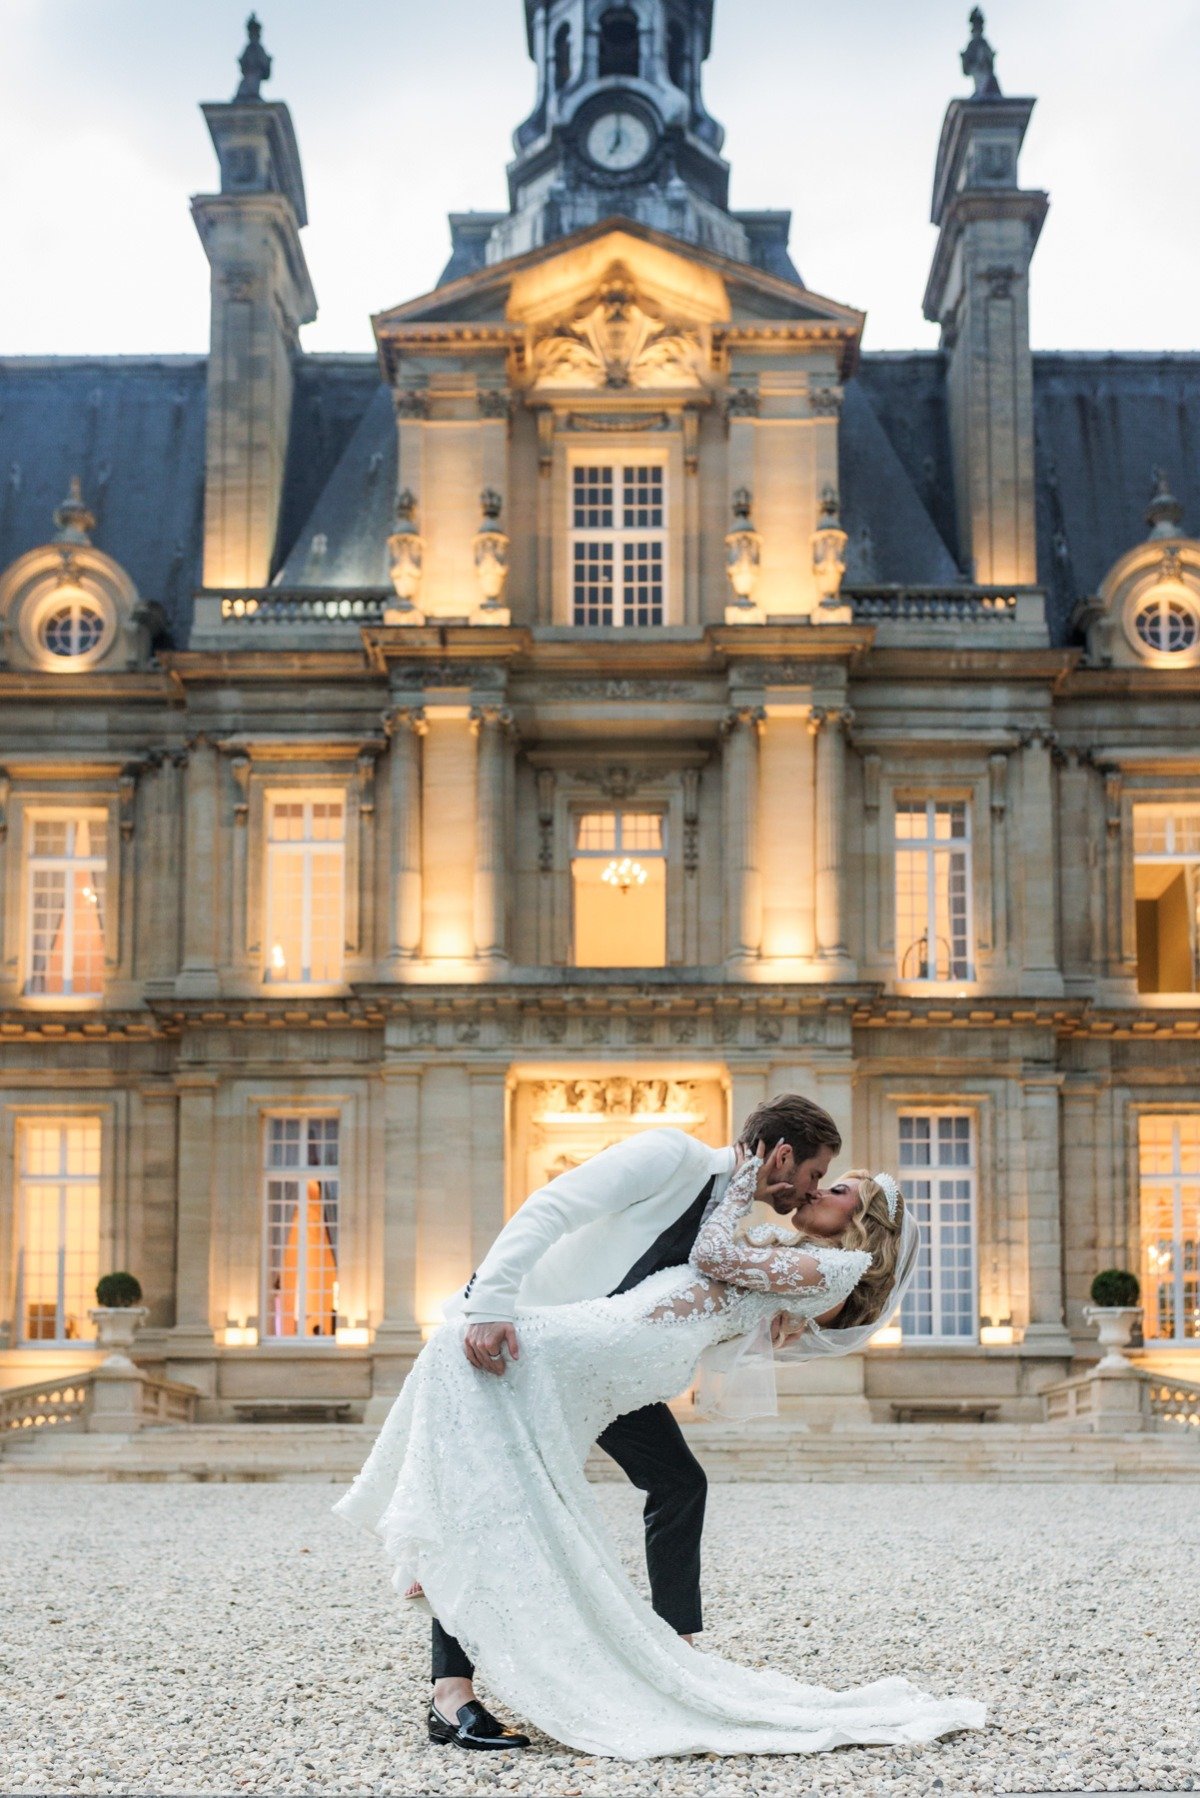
620	49
562	57
677	67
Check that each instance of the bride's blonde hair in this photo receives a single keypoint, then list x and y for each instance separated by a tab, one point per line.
871	1229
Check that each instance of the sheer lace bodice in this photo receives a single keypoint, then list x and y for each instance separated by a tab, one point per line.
476	1487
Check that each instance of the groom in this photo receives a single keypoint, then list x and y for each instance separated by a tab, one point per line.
595	1231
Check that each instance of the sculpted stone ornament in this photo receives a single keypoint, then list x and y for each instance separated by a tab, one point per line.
829	551
491	559
616	1098
614	341
406	558
254	63
73	518
743	561
979	60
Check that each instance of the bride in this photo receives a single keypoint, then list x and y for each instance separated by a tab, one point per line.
476	1487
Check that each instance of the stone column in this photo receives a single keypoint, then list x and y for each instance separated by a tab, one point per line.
1039	865
492	726
1045	1332
743	893
397	1339
406	728
193	1232
198	977
829	729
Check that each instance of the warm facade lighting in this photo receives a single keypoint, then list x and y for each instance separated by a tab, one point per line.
353	1336
891	1336
997	1335
240	1336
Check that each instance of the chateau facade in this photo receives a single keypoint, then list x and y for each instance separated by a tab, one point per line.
619	700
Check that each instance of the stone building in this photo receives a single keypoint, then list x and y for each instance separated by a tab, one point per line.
619	700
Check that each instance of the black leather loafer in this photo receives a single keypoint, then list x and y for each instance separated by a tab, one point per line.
475	1728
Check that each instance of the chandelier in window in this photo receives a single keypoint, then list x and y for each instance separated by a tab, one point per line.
624	875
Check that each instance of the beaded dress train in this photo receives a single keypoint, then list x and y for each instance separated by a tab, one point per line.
476	1488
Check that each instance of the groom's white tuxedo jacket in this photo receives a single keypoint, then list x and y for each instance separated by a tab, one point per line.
579	1236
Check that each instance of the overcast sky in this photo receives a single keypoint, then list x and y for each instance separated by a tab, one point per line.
404	111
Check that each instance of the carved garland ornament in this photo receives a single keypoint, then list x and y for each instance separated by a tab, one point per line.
616	1098
616	341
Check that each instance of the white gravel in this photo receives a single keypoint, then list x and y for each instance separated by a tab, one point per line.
192	1639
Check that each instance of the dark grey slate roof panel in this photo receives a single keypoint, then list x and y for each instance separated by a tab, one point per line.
906	389
343	541
1103	423
132	429
892	537
331	400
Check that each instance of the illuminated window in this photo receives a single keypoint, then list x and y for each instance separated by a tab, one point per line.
933	890
937	1174
619	45
66	860
73	628
618	544
58	1258
1169	1170
1166	884
619	879
301	1204
305	888
1168	622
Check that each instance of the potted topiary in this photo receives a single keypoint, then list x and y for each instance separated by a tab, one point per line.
1115	1311
118	1314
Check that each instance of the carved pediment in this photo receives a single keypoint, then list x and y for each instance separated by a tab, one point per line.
614	340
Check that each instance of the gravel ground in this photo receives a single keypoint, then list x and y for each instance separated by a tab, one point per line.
192	1639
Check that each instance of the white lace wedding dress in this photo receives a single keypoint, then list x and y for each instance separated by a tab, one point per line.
476	1487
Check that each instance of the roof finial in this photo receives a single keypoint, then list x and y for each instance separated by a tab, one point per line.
1164	513
979	60
254	63
73	519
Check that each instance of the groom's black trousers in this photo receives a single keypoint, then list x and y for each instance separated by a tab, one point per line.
649	1448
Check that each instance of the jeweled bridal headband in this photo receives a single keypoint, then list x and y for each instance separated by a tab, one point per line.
891	1193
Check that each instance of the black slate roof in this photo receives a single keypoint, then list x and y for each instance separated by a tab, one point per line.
133	429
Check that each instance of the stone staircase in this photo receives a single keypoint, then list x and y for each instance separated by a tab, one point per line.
775	1451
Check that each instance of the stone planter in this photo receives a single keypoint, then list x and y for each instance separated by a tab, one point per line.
116	1326
1114	1326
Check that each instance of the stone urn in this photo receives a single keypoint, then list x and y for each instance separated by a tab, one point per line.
117	1325
1114	1326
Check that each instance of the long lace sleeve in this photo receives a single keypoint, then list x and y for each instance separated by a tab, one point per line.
720	1255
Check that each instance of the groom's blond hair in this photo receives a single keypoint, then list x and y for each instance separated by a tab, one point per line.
805	1127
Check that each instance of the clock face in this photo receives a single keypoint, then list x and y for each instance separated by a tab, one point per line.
619	141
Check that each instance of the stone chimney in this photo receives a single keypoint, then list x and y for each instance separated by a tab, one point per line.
978	293
261	295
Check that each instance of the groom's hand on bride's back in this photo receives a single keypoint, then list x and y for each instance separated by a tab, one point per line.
484	1346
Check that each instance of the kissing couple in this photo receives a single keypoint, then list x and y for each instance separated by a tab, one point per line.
597	1304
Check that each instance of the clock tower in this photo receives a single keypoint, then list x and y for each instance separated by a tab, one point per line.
619	128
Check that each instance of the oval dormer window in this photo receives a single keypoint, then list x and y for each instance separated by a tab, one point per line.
73	628
1168	621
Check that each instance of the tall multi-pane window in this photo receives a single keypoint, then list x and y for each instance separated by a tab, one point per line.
58	1253
933	890
937	1174
1166	884
619	882
305	888
66	862
618	543
301	1206
1169	1179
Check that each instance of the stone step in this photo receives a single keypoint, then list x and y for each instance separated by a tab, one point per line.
771	1451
